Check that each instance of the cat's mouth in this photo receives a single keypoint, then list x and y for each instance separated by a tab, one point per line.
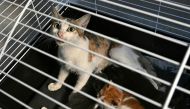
59	42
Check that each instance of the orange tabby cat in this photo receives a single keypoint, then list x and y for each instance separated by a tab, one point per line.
119	99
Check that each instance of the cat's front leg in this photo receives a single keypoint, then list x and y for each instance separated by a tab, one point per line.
81	82
61	77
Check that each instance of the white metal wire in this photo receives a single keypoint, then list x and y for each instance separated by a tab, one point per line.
162	81
119	12
176	80
51	56
55	79
177	33
140	72
15	25
173	85
19	38
7	7
20	21
157	104
160	7
138	95
100	78
11	21
176	9
56	19
15	99
27	23
17	62
51	76
23	40
72	66
117	41
26	30
183	90
95	4
174	4
11	12
114	61
111	60
107	37
36	16
160	12
142	23
157	19
116	21
37	91
182	4
147	13
2	2
125	24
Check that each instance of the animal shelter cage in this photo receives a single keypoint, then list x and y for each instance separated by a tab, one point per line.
159	29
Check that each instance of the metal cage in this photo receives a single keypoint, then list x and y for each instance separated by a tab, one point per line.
159	29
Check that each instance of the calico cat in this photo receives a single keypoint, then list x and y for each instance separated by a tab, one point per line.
117	98
74	55
83	59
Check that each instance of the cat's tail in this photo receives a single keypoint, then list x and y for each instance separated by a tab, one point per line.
131	58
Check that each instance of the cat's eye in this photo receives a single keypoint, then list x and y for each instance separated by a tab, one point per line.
71	29
57	25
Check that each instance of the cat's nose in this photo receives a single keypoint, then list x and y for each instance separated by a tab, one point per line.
60	35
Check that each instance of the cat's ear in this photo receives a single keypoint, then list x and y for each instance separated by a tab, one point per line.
109	86
84	20
55	12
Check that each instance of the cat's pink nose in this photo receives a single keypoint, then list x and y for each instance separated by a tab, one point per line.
60	35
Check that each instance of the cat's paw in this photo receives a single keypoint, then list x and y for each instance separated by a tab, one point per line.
54	86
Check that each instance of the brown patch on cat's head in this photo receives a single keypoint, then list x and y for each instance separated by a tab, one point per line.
111	95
